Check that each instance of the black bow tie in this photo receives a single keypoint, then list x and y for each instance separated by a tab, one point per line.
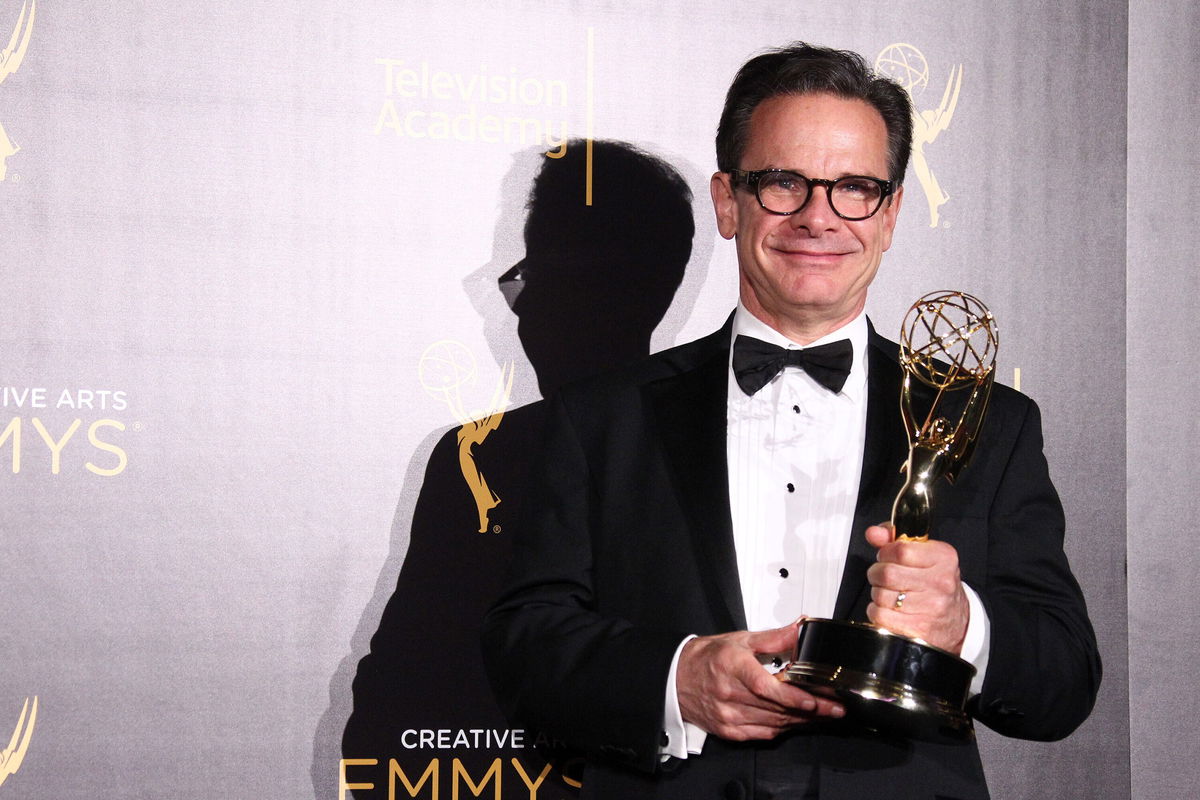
756	362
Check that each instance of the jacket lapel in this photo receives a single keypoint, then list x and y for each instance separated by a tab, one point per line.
690	409
885	450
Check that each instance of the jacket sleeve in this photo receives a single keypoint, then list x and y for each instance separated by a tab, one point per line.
1043	666
558	662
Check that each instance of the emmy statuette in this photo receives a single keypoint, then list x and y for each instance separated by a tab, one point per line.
887	681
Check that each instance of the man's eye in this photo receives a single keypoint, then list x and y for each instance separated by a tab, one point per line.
784	183
857	189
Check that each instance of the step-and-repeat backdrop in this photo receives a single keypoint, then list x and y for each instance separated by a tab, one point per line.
283	284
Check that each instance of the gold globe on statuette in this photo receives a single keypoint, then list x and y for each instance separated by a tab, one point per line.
948	342
889	682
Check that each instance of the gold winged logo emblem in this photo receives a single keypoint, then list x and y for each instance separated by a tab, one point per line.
907	66
10	58
446	367
12	756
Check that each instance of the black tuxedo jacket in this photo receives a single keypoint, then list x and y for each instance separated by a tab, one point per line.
626	546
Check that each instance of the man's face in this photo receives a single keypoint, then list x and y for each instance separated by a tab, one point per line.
807	273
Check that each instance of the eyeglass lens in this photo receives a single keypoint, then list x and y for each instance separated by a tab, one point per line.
786	193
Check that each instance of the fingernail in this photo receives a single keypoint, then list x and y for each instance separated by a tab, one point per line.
837	711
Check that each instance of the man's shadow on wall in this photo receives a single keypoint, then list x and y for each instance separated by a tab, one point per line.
594	284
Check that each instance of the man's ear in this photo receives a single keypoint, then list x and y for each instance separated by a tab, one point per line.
890	212
724	203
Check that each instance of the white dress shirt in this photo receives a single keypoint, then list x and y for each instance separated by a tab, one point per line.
795	452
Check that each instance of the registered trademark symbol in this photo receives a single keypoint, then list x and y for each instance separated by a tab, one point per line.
946	224
495	529
16	178
137	426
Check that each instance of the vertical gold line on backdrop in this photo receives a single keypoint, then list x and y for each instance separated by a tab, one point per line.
591	41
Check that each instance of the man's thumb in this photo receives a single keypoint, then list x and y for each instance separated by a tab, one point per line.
776	640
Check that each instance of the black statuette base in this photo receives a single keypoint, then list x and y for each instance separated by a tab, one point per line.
888	683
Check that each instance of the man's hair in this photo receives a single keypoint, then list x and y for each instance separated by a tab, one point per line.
802	68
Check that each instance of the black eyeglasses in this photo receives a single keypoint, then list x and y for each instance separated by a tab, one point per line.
784	192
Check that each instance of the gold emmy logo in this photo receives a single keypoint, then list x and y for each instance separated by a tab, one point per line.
10	59
445	368
12	756
907	66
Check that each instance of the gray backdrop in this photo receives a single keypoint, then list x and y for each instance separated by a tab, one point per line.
1162	433
231	232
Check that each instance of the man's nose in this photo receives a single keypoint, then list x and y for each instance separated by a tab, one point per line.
817	214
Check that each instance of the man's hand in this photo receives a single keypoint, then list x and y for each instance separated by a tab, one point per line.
724	689
934	606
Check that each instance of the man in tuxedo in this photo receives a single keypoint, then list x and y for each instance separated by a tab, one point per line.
691	508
